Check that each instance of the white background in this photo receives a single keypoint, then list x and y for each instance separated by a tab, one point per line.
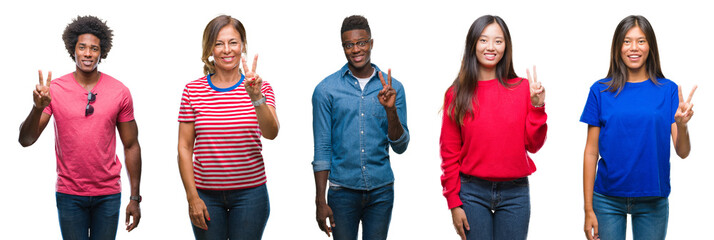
157	48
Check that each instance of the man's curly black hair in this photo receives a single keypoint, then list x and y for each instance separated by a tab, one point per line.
355	22
92	25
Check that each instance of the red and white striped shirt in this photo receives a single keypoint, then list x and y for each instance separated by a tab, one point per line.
227	149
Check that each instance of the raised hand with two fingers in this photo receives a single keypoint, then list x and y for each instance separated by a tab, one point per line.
684	111
387	96
537	89
253	83
41	94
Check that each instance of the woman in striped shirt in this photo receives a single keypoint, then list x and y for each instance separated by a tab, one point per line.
221	119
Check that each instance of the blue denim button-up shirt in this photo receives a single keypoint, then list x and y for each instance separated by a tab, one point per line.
349	126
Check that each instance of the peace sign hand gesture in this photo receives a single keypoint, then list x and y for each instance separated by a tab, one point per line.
537	90
41	94
684	111
387	96
252	83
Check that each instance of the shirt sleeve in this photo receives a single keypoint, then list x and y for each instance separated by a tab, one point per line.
126	111
267	91
450	149
186	111
400	145
675	102
321	129
591	112
536	127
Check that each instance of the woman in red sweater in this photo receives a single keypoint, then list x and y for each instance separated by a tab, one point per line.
491	118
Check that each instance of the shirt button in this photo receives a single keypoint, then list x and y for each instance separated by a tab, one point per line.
362	150
362	97
362	114
355	82
364	168
361	132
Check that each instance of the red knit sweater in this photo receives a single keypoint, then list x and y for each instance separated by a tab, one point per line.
492	144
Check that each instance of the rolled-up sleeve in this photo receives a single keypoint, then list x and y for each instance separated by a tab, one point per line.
400	145
321	129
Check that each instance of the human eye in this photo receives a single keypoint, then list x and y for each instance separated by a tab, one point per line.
627	41
641	41
499	41
362	43
348	45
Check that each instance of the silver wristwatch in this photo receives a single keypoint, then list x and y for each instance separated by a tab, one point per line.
258	102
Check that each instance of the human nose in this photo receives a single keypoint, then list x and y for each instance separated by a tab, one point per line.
355	48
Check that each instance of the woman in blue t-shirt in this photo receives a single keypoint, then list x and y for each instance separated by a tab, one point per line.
630	115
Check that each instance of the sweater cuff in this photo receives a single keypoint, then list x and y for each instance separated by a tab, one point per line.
453	201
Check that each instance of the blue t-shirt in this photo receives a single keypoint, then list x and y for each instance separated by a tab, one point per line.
635	131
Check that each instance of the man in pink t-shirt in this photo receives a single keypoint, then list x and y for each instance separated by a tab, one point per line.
88	106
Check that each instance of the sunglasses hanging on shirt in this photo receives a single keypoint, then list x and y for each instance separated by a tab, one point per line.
91	97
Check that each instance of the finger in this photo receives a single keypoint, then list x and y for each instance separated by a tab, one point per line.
381	79
42	82
49	78
245	65
679	89
691	94
126	222
205	213
535	75
389	77
528	74
255	63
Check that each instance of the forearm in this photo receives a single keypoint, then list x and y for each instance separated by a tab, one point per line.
682	145
589	169
133	167
186	171
394	125
30	129
267	120
321	186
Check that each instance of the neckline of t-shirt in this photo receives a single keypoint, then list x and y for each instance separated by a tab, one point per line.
637	84
101	76
228	89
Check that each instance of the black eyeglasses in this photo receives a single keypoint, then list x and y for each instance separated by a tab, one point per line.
361	44
91	97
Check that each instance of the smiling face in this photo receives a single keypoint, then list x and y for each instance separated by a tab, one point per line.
227	49
635	49
87	52
357	56
490	47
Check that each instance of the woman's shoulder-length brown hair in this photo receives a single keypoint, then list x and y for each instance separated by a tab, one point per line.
211	33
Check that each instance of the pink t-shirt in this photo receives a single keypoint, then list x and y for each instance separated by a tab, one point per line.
87	164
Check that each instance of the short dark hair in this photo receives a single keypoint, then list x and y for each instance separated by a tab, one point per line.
355	22
91	25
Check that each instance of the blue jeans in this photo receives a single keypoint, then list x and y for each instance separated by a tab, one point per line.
88	217
496	210
349	207
649	216
235	214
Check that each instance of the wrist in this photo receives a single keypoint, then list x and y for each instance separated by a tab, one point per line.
538	105
258	100
136	198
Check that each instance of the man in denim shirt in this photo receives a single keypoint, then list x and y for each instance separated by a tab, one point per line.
357	115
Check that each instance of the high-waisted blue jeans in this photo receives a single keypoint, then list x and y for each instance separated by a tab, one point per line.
496	210
649	216
235	214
